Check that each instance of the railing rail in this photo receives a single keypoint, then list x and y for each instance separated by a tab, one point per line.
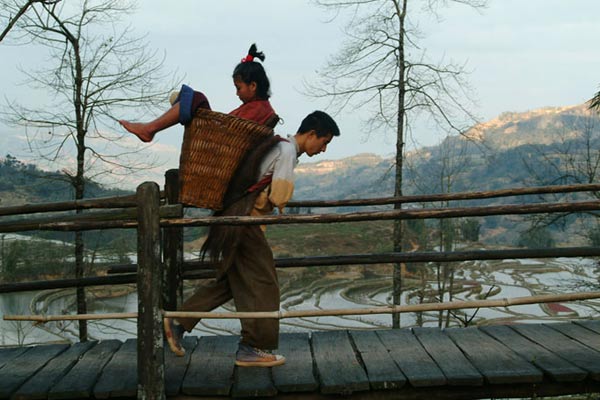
80	223
432	198
86	204
129	200
126	274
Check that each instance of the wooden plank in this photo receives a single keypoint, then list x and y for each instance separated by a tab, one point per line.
253	382
296	375
80	380
382	371
453	363
496	362
556	367
592	325
17	371
218	352
38	386
8	354
173	249
175	366
119	376
411	357
578	333
338	369
563	346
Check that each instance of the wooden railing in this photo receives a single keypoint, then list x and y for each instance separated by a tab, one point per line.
160	268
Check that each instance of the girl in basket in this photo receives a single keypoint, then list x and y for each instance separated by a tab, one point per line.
252	87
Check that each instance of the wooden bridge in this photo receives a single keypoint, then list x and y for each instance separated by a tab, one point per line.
522	360
419	363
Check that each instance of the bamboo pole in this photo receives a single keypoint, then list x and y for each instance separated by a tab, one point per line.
120	279
73	317
453	305
430	198
102	219
129	200
71	205
435	213
107	202
511	209
393	257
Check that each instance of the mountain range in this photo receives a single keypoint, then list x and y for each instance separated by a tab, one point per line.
496	154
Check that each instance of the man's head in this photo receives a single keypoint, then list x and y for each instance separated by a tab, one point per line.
315	132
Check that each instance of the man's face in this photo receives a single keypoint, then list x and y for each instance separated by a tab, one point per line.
315	144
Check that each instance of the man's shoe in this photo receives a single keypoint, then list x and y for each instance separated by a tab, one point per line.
174	335
248	356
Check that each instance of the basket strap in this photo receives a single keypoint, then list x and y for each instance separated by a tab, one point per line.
260	185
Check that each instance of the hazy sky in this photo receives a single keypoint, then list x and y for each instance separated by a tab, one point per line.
522	54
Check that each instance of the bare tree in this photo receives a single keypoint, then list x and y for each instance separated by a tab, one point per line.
97	69
18	9
382	68
439	173
573	158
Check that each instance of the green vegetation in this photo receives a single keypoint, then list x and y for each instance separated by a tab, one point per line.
21	182
330	239
30	259
536	238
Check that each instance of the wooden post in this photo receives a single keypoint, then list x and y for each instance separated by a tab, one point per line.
173	249
80	291
151	366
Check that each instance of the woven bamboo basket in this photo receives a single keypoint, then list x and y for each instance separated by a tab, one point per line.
213	146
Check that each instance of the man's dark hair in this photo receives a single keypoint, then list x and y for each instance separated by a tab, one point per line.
321	123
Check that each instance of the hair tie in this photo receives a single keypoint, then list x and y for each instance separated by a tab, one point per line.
248	58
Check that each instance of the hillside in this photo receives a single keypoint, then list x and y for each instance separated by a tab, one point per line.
25	183
22	183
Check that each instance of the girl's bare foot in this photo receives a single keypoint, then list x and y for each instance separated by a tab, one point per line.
142	130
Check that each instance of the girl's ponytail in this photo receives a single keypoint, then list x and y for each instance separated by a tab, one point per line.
255	53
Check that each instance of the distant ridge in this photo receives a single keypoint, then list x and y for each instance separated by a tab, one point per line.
499	139
540	126
510	129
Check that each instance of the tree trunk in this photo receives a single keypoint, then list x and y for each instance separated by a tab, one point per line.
79	184
397	245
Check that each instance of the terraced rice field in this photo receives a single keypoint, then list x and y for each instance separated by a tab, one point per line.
361	287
